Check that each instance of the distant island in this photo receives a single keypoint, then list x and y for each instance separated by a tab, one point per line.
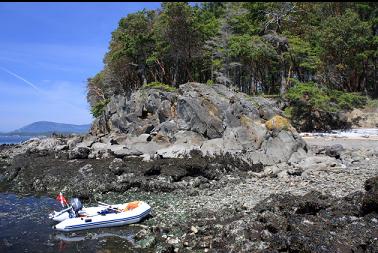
47	128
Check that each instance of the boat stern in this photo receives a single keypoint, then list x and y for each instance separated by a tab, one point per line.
60	227
58	217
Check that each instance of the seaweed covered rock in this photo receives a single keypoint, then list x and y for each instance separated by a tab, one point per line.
370	201
314	222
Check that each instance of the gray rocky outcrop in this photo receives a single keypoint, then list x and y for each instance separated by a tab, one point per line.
212	119
363	118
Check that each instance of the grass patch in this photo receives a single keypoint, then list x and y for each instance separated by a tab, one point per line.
159	86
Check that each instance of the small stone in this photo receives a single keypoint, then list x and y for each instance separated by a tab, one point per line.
283	174
173	241
194	229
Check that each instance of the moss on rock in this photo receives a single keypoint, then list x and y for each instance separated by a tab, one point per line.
160	86
278	123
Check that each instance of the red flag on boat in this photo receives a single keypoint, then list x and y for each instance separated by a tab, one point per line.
62	199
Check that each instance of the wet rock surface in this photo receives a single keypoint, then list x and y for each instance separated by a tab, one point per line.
49	171
370	200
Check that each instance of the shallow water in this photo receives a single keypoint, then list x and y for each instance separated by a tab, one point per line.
352	133
13	139
24	227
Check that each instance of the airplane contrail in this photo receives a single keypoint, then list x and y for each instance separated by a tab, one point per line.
44	93
21	78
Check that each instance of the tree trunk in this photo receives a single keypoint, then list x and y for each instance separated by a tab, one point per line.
254	86
212	67
174	82
288	79
283	83
375	88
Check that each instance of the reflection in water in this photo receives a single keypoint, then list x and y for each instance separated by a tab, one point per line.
25	227
66	238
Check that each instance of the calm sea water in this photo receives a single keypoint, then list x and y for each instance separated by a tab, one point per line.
13	139
24	227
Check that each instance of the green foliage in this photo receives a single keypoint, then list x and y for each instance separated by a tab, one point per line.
345	42
302	54
346	100
99	107
160	86
210	82
311	96
253	52
253	46
206	22
288	112
317	108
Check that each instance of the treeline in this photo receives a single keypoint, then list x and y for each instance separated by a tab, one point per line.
255	47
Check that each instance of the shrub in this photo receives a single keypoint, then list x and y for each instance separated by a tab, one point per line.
317	108
288	112
210	82
99	107
311	95
347	101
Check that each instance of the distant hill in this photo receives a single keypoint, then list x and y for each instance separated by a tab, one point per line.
46	127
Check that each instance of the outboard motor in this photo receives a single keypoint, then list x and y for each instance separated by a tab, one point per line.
76	204
70	212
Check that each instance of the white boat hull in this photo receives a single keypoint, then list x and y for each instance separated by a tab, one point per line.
95	220
57	216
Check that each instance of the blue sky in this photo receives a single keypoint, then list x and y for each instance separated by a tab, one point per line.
47	52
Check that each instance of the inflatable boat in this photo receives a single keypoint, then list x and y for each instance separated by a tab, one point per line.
76	217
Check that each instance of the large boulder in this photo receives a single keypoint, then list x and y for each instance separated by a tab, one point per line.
211	118
49	144
79	153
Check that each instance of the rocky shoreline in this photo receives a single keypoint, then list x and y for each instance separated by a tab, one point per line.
223	172
326	202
